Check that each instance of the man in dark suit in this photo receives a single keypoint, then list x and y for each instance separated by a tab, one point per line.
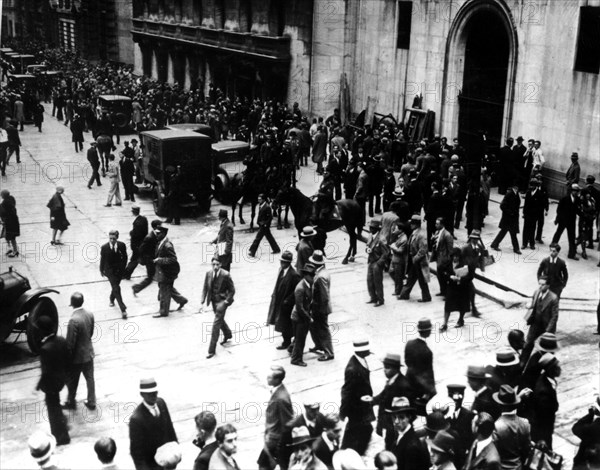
206	423
150	427
329	442
544	314
218	290
302	314
509	222
483	402
79	340
555	269
321	308
54	362
411	453
419	365
357	384
224	240
472	254
305	248
419	258
512	433
113	260
441	246
460	421
14	143
483	454
147	252
279	412
544	400
282	299
137	235
505	169
265	216
536	202
566	216
167	270
587	429
92	157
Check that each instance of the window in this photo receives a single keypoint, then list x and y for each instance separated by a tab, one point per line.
404	23
587	58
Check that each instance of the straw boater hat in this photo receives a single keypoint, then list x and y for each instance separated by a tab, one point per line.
506	357
148	385
41	446
308	231
317	258
547	342
506	396
361	345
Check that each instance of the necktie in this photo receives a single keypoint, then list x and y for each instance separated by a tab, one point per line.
115	247
155	412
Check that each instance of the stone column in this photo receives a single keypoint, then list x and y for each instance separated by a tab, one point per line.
155	55
138	59
170	68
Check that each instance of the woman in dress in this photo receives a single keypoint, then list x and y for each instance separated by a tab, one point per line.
58	218
459	274
10	221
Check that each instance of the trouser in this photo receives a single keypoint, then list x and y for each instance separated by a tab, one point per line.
557	290
58	422
442	279
128	188
133	262
16	150
357	436
375	281
529	224
78	146
20	122
362	202
460	204
166	292
115	192
115	292
301	329
501	234
377	198
416	274
226	261
338	190
174	210
219	324
150	271
87	369
540	226
570	236
472	298
320	333
3	160
264	231
397	272
95	176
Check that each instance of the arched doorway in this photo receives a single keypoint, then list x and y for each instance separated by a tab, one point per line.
479	73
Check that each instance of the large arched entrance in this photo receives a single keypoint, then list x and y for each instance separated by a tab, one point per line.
479	73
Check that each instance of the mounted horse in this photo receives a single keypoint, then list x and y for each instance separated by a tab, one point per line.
350	216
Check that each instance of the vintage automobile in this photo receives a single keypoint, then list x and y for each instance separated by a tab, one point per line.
4	51
228	159
21	307
167	149
21	61
36	68
118	107
192	127
21	80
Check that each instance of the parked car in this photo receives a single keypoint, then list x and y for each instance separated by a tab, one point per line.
118	107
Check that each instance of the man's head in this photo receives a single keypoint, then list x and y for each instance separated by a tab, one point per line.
161	232
543	284
385	460
374	226
415	222
424	327
361	347
155	224
216	264
226	437
333	427
276	376
105	449
516	339
312	410
554	249
206	423
76	299
261	198
391	365
457	393
476	377
113	236
483	426
286	259
439	223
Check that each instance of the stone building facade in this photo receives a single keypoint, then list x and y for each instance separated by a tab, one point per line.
509	67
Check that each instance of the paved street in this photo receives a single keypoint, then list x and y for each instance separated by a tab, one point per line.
233	384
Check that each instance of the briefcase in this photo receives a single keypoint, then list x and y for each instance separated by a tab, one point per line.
542	458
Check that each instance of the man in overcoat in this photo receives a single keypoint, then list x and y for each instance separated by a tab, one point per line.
167	270
566	217
224	241
419	259
137	234
544	314
419	365
509	223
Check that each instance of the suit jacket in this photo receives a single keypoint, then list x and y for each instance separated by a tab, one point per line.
203	459
167	266
512	439
400	387
419	367
148	248
485	402
305	251
545	405
557	273
510	211
225	235
219	462
573	173
321	292
282	299
147	433
443	247
303	302
79	336
54	362
315	431
488	458
462	427
323	452
139	231
265	215
379	250
411	453
418	249
535	203
218	288
566	211
545	312
111	262
588	430
357	383
279	412
13	136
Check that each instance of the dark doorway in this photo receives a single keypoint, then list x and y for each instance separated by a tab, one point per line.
484	83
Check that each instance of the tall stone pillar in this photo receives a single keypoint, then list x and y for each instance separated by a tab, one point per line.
170	68
155	60
138	59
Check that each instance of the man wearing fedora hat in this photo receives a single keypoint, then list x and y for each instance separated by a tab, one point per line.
419	256
264	219
546	343
473	256
544	314
137	234
483	402
282	299
377	256
442	451
302	314
419	365
410	452
512	435
310	418
224	240
566	218
574	171
359	413
303	457
167	270
509	222
150	426
544	400
321	308
305	249
41	447
587	429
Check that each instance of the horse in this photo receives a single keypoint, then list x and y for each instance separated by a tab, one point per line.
302	208
104	144
275	177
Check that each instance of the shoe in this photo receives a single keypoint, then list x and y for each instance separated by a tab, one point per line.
443	328
69	406
182	304
326	357
517	252
299	363
283	346
65	441
89	187
315	350
533	247
440	294
290	348
118	204
524	247
277	252
372	301
12	255
100	184
107	205
379	303
124	314
401	297
475	313
251	255
583	255
494	247
88	405
225	340
539	241
111	304
424	300
574	258
210	355
158	315
459	324
134	292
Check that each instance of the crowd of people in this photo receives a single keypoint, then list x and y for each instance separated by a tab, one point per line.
416	195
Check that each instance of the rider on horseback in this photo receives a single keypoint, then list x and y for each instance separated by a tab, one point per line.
324	201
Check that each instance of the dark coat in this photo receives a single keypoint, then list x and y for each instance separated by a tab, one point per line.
462	427
147	433
79	336
282	300
167	266
305	251
411	453
285	450
57	210
112	263
54	362
9	217
13	136
223	288
545	405
566	211
225	235
323	452
488	458
92	157
148	248
265	215
400	387
535	204
510	212
302	311
588	430
77	130
484	402
357	383
512	439
557	273
139	231
457	292
419	367
203	459
279	412
544	316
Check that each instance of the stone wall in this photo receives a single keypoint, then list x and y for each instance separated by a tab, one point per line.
124	13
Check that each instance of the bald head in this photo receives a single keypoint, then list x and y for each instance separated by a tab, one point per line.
76	300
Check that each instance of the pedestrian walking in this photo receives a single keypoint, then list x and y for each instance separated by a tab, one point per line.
19	111
536	203
419	259
419	365
3	150
114	176
587	213
11	228
377	256
224	241
264	219
77	132
566	218
127	167
38	115
167	270
14	143
509	222
319	149
218	290
399	250
147	253
80	332
92	157
58	217
150	427
302	313
113	260
321	308
305	247
542	314
54	363
442	246
555	270
283	300
458	276
473	255
137	235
